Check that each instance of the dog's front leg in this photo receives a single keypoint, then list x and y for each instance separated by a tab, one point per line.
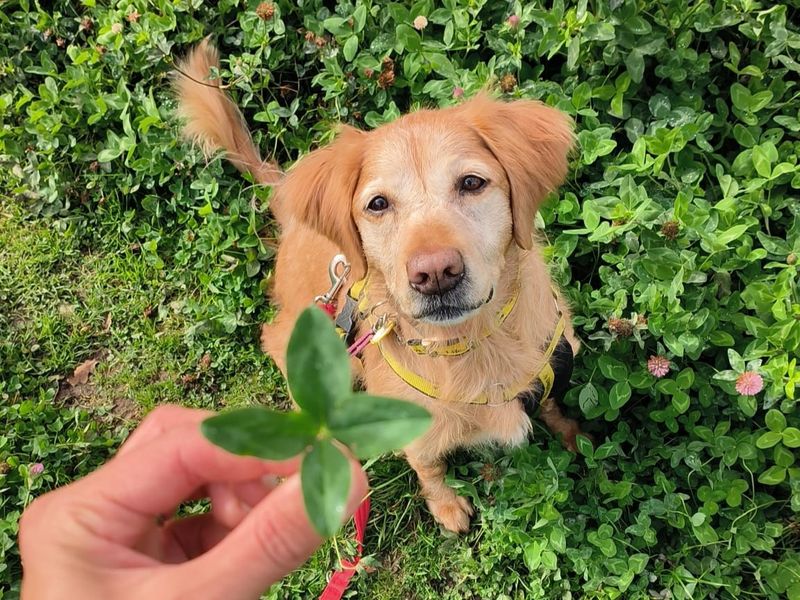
447	507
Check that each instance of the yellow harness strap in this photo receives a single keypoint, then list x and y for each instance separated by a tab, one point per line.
546	374
458	347
357	291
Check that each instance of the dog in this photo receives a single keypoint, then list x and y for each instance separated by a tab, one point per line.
436	210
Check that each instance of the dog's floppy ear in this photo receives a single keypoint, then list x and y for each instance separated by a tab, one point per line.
318	191
532	142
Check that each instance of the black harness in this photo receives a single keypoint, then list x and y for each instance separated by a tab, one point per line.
562	363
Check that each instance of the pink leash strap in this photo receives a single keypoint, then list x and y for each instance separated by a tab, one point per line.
359	345
341	579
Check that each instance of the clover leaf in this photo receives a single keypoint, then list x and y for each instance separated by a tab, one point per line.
331	417
317	364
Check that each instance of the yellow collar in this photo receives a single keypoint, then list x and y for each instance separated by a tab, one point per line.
545	374
462	345
457	347
452	347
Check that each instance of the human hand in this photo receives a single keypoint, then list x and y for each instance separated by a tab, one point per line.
106	535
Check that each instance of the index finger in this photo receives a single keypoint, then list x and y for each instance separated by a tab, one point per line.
124	497
159	421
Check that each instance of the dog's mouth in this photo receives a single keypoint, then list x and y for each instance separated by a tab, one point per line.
443	310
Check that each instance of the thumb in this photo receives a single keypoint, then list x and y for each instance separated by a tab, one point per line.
274	539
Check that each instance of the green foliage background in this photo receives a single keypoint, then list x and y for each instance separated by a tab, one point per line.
677	234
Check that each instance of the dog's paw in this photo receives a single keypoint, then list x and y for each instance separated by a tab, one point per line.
452	513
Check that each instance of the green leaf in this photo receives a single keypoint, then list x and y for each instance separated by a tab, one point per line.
761	162
558	540
261	432
634	61
735	360
772	476
448	33
360	17
721	338
685	378
599	32
337	26
372	425
740	96
743	136
783	457
325	479
549	560
733	233
768	439
407	38
612	368
680	401
640	380
605	450
791	437
584	446
637	562
350	48
775	420
705	534
619	395
588	399
573	52
638	25
607	547
317	364
590	216
783	169
747	404
793	592
581	95
698	519
760	100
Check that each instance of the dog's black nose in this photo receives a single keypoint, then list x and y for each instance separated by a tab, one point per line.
434	272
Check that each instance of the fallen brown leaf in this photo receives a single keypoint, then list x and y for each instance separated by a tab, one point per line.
82	372
107	322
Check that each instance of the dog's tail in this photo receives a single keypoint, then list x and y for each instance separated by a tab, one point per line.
212	120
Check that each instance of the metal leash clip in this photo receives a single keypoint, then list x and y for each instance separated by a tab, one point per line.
338	271
383	326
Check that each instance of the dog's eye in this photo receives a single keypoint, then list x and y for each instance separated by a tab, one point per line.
471	183
378	204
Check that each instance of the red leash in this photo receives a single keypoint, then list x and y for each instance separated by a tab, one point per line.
341	579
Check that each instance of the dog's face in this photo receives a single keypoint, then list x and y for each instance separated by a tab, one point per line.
434	200
433	213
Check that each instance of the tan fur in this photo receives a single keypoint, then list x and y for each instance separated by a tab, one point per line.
521	149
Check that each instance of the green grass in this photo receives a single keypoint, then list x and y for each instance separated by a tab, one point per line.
71	296
677	234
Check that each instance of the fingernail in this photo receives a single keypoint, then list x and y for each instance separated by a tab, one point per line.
270	481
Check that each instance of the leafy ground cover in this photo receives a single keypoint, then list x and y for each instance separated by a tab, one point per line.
676	236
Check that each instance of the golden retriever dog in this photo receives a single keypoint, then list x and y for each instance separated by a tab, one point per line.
438	208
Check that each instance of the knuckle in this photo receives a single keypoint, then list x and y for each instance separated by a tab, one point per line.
164	412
